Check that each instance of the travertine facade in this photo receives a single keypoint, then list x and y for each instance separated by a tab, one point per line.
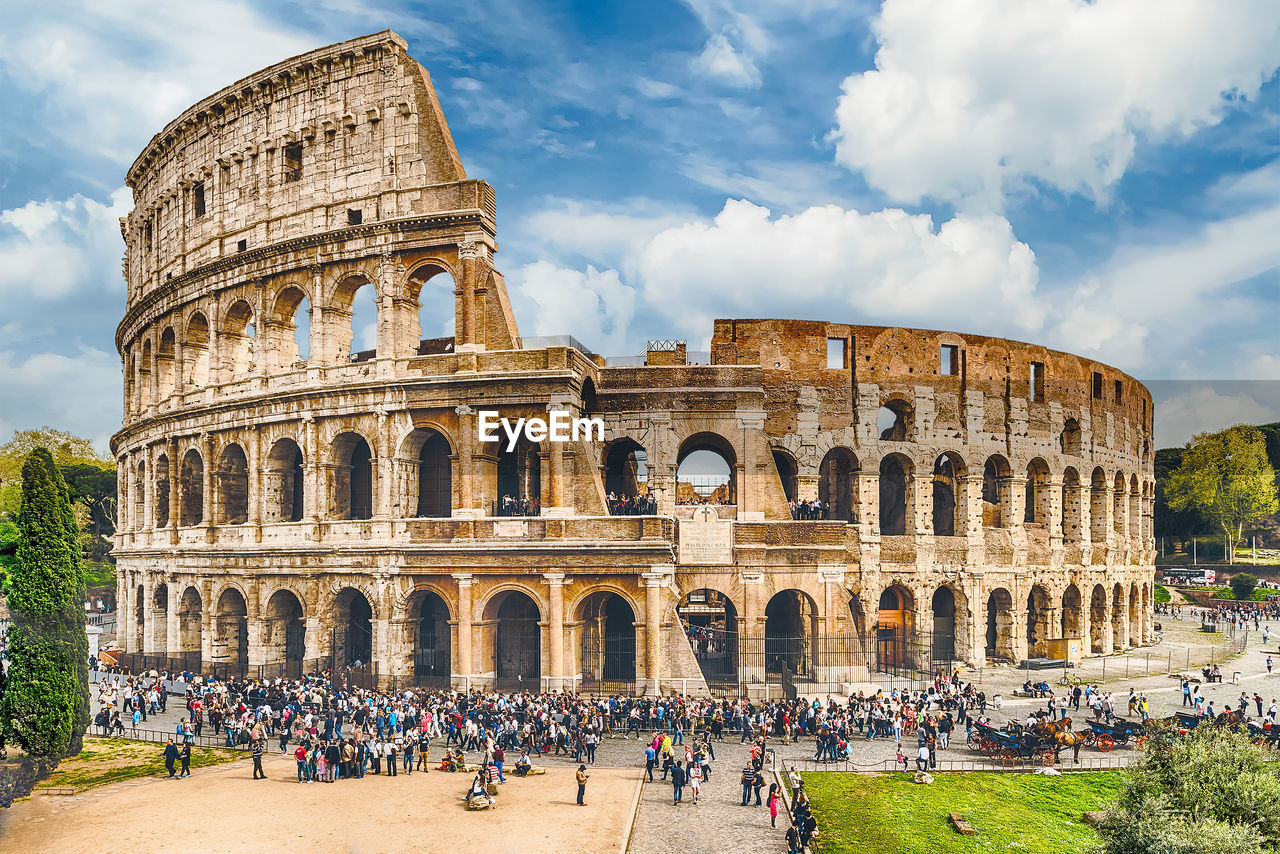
331	506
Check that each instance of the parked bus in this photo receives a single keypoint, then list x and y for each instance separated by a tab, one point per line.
1188	576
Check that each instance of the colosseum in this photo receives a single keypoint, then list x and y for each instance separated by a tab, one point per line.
809	503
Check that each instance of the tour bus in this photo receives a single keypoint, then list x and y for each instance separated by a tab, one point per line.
1186	576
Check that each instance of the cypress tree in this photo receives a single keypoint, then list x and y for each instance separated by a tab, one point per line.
45	708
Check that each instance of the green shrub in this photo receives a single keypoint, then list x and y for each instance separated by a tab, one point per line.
1243	584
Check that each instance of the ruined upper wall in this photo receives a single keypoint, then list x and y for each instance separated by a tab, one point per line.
348	134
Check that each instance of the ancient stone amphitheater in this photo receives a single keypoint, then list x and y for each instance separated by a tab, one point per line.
291	500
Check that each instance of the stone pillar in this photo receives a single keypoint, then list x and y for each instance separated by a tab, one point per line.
126	591
1055	512
919	504
976	609
1017	502
1108	632
463	646
866	493
751	628
385	472
175	506
206	480
254	628
465	293
312	503
464	506
173	626
555	629
256	468
1019	630
654	581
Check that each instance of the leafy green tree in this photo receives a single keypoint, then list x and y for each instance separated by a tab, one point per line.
1243	584
1211	792
1227	477
45	707
1180	525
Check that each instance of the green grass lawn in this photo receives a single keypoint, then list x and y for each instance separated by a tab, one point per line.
889	814
1162	594
112	760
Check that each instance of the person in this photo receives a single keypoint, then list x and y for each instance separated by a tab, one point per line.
774	797
650	759
695	779
499	756
524	764
184	756
793	838
301	756
170	757
479	790
677	783
582	776
922	756
389	751
748	782
259	747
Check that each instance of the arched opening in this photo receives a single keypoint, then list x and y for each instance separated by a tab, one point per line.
894	471
786	466
626	478
433	485
950	626
1098	508
140	497
608	642
835	484
1072	613
352	628
191	489
283	501
1135	630
710	621
289	330
433	642
167	380
1119	514
1038	625
130	382
195	351
1097	619
353	477
997	479
144	376
1036	511
160	618
233	486
517	641
790	627
894	421
432	289
1000	626
231	631
948	490
355	320
895	627
161	490
236	341
1135	511
189	618
520	479
1070	440
705	471
1118	614
140	618
1072	507
284	633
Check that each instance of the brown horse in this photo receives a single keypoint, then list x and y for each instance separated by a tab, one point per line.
1067	739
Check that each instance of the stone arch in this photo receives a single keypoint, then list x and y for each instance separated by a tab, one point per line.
608	637
233	486
353	615
160	477
1072	507
949	608
340	312
353	476
140	497
519	478
1039	623
1037	500
1119	614
1000	633
231	629
1098	507
785	464
895	481
195	351
895	420
426	456
997	492
140	617
836	476
1135	620
1119	506
430	291
515	638
429	616
236	340
284	631
285	481
1097	619
949	507
710	620
706	470
191	489
1070	440
626	469
895	626
190	617
288	339
790	632
167	379
1134	510
144	375
1072	613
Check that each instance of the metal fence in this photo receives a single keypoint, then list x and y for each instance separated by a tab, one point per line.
162	736
1110	762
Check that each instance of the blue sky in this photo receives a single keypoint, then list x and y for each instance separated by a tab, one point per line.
1103	178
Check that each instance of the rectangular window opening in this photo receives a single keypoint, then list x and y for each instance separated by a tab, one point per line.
1097	386
1036	391
836	353
292	162
355	216
242	245
948	360
197	198
1119	392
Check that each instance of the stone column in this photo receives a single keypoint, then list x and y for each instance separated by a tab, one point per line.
386	475
465	461
465	669
654	581
1055	512
466	322
126	591
1108	631
173	626
175	506
555	629
255	483
312	503
919	505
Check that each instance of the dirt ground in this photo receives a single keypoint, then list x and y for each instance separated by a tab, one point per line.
223	809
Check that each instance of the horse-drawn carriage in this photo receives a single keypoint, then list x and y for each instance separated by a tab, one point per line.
1108	736
1017	743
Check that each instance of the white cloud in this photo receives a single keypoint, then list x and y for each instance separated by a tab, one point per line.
49	249
1202	408
567	301
79	393
104	76
605	233
721	60
970	101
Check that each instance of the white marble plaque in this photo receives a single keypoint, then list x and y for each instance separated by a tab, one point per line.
510	528
707	539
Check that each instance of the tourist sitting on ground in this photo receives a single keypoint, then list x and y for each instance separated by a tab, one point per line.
454	760
524	764
478	795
